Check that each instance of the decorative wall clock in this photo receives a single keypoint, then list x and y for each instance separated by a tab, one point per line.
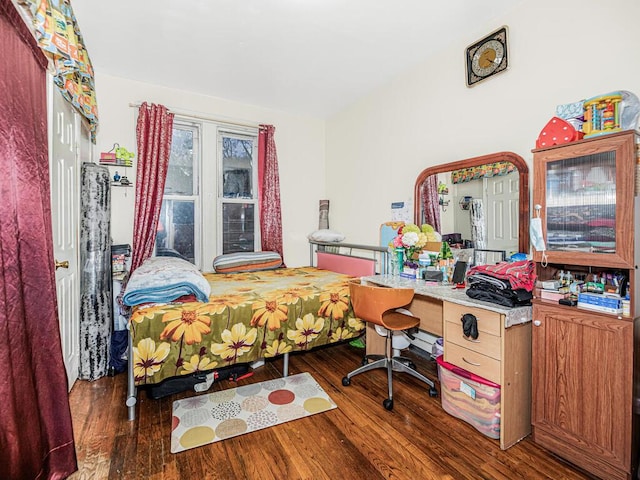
487	57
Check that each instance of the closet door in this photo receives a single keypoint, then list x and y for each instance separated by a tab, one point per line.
64	154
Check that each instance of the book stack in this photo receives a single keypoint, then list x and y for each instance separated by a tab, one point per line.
553	295
553	291
601	302
108	157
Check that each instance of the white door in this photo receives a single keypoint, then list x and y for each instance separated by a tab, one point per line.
503	213
64	129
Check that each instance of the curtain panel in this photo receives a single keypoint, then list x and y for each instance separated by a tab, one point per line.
153	133
269	192
58	35
36	434
429	200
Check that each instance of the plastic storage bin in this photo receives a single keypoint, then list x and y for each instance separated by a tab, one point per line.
470	398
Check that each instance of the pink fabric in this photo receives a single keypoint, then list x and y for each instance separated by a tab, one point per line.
269	192
36	434
354	266
153	132
430	206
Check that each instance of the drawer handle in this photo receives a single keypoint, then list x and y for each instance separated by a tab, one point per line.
471	363
469	339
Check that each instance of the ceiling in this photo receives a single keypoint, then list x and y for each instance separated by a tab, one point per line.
307	57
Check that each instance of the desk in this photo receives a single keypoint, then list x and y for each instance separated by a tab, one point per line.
502	352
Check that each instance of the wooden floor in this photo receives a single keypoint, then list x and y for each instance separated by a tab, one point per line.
358	440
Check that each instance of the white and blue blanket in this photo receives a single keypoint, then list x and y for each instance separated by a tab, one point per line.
164	279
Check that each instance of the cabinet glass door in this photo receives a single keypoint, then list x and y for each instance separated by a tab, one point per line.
586	193
581	204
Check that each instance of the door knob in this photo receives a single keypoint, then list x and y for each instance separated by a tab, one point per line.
64	264
537	323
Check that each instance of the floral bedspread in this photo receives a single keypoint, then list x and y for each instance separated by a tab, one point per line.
249	316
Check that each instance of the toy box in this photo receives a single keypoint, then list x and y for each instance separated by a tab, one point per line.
470	398
610	113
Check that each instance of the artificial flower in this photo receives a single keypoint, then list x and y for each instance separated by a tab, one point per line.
413	239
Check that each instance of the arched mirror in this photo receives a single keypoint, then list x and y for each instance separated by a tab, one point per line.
486	196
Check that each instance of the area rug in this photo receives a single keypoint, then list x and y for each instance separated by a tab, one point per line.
228	413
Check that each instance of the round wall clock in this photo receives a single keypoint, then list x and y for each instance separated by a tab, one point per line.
487	57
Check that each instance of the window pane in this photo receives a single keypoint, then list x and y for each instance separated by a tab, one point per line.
581	204
238	227
237	167
176	234
180	172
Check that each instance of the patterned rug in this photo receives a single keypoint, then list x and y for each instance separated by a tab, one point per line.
228	413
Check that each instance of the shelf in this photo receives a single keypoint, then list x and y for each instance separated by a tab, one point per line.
118	184
124	165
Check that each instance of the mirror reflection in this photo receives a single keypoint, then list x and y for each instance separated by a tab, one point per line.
480	203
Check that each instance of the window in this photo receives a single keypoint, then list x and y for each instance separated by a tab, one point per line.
210	200
238	199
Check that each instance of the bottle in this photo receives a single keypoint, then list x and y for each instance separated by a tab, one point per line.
400	259
626	308
393	259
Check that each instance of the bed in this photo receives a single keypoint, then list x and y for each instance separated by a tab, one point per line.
247	316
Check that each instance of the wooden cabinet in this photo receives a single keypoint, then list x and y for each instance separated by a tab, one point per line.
583	361
585	190
583	388
499	354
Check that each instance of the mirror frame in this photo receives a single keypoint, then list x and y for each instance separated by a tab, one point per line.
523	187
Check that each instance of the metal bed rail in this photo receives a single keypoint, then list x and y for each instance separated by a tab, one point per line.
375	252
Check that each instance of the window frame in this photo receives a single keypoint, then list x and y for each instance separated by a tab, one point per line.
208	164
242	134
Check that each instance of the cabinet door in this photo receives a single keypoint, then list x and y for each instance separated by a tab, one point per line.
585	190
582	386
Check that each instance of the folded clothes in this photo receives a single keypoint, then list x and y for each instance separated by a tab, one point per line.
507	298
482	278
519	274
163	280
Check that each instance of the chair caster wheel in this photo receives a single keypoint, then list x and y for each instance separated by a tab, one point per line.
432	391
387	403
364	362
346	381
412	366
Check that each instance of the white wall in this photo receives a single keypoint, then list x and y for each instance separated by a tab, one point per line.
560	52
300	142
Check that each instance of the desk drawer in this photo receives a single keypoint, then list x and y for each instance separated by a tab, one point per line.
474	362
488	321
485	344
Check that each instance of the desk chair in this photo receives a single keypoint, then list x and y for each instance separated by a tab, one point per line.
377	305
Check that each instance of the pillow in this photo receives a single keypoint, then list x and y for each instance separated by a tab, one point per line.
326	235
246	262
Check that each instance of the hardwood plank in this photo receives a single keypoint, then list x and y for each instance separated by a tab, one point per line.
359	439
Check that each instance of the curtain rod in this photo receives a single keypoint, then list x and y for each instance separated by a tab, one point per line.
199	116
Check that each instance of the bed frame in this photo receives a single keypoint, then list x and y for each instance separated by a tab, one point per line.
349	259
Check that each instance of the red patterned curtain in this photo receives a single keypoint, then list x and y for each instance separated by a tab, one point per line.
36	437
269	191
429	197
153	132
